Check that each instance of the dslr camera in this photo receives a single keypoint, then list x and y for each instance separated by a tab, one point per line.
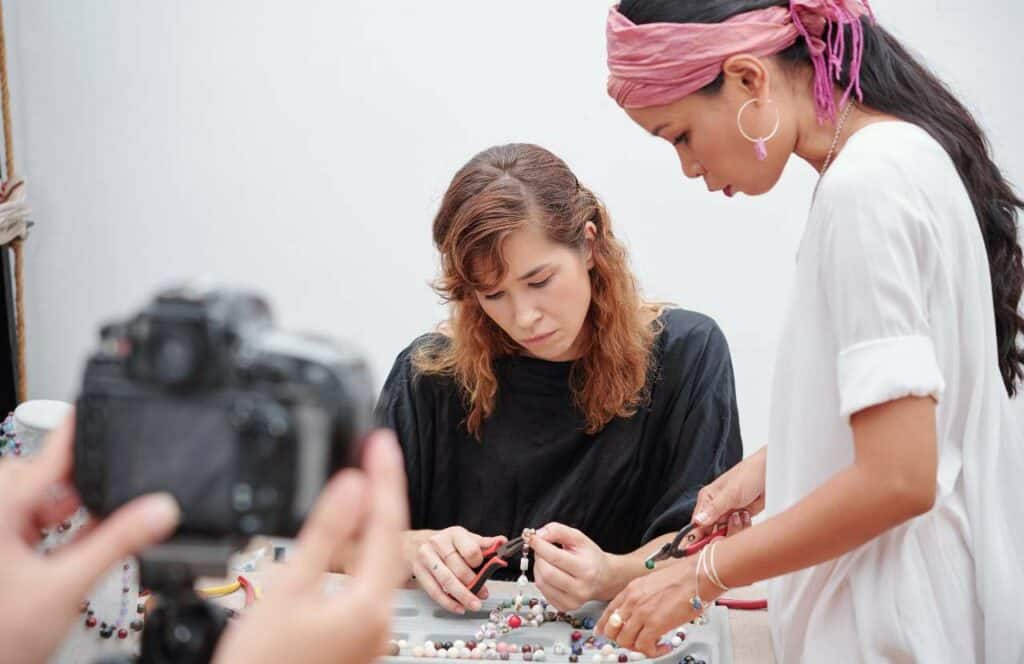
200	396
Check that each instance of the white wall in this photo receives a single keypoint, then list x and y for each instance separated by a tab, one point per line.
302	148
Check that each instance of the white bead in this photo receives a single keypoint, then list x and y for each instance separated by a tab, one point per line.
607	649
636	656
598	658
441	654
460	644
538	656
611	658
417	651
522	580
676	642
524	564
465	654
403	644
559	649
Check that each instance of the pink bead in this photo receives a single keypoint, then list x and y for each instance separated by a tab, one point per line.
502	647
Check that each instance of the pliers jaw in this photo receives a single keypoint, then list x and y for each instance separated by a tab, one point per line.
495	558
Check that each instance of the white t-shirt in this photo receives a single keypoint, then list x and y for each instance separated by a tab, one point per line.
893	298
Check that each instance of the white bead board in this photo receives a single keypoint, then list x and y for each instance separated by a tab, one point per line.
416	618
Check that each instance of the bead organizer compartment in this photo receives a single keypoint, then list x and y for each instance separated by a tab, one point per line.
417	619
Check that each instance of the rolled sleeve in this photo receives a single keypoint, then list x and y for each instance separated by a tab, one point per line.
882	370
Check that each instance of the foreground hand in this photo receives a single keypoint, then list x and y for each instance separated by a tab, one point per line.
295	620
572	575
652	605
42	595
443	563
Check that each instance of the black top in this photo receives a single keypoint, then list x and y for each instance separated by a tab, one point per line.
634	480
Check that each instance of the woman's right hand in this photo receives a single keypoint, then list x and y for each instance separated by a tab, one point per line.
443	562
733	497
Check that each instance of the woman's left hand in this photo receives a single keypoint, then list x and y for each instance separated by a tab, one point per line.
655	604
569	568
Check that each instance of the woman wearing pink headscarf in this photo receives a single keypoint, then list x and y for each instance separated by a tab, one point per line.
893	486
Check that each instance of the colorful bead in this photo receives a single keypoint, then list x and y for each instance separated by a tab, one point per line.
515	622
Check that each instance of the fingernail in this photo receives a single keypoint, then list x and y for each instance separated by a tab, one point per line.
162	511
701	517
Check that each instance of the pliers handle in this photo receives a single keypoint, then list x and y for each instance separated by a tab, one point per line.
496	557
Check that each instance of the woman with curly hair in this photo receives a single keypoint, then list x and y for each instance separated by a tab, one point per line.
554	397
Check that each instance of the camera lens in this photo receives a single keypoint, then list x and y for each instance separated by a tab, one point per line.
175	359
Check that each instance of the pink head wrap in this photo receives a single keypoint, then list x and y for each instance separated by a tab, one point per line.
659	63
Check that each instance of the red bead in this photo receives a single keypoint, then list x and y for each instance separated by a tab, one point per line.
527	648
576	636
90	621
122	633
681	635
514	622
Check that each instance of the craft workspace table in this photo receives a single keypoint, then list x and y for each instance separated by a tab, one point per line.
751	638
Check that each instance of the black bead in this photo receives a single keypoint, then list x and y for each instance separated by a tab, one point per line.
136	625
106	633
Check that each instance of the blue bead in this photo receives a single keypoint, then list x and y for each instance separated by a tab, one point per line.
588	623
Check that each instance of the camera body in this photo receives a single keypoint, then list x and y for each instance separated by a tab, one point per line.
199	396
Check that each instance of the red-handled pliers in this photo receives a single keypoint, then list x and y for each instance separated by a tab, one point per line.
674	550
496	557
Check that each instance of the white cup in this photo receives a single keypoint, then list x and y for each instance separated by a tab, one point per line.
34	419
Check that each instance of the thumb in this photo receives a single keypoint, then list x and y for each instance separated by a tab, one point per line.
711	504
558	533
132	528
485	542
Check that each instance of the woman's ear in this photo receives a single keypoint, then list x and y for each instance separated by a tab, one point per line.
589	238
749	75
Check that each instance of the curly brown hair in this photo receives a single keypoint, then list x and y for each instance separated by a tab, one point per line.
498	191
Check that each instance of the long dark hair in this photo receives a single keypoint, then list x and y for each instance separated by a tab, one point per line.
894	82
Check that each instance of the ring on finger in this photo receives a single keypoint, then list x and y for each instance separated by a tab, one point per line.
615	621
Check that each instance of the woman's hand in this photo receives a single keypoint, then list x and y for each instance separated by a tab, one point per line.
41	595
443	562
574	574
295	620
733	498
654	604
